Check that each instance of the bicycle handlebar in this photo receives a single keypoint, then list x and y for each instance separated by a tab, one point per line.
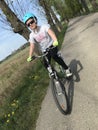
44	54
39	56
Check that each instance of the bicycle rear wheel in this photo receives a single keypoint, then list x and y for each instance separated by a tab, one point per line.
60	96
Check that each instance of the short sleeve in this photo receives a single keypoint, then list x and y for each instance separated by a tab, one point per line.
46	27
31	39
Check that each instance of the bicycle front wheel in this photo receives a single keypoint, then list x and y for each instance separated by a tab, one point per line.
60	95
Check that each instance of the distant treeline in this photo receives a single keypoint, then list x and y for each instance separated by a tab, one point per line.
16	51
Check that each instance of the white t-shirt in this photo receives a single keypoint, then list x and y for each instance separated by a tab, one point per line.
41	38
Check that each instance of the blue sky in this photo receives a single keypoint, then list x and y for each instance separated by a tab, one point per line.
9	41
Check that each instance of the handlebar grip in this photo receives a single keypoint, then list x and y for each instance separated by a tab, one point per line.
33	57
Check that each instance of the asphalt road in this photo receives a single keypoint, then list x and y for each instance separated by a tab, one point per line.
80	51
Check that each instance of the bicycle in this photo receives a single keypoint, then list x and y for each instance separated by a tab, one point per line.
58	79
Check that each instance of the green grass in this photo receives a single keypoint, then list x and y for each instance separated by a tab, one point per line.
22	104
60	36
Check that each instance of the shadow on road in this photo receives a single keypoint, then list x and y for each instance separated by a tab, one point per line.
76	67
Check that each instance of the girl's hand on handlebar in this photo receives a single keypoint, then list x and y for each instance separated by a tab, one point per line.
55	43
29	59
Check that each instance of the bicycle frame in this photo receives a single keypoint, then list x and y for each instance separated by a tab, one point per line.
50	68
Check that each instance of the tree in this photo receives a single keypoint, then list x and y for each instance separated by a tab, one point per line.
94	4
52	19
75	7
84	5
16	24
65	8
61	9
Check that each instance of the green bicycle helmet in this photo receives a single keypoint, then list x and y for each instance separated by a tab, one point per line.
27	16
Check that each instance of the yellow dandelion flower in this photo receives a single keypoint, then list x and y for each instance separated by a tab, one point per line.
8	121
8	115
13	104
13	113
36	77
17	101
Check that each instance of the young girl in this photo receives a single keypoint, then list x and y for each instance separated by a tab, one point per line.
45	38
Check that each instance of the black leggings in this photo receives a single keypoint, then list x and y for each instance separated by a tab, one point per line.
53	53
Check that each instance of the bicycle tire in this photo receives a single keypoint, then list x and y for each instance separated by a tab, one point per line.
62	106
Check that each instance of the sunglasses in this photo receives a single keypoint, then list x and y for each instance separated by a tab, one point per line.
30	23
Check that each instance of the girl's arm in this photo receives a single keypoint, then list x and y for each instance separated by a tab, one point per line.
31	49
52	34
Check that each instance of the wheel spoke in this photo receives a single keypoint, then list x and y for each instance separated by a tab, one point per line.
60	96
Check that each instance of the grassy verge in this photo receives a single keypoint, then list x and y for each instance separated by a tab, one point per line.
20	109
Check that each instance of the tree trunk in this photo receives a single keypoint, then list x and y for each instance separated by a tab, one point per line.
57	22
16	24
48	14
84	4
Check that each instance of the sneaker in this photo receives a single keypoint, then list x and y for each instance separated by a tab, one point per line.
68	72
51	74
50	71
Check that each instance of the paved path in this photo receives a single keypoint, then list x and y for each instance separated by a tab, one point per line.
80	50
